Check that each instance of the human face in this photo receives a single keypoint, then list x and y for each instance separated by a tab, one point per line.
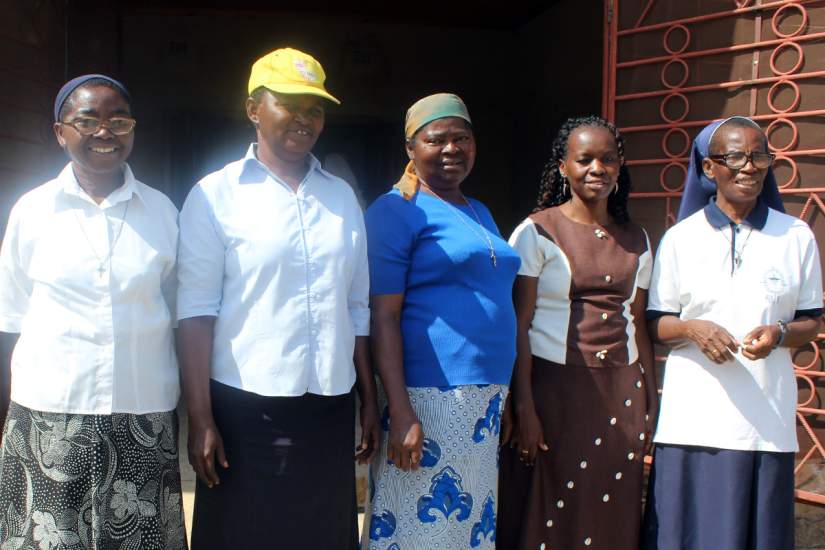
443	152
737	187
102	152
592	163
288	125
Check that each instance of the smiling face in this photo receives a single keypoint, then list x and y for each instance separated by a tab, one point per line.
736	187
101	153
592	163
443	152
287	125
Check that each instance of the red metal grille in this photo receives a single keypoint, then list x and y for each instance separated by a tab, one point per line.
673	67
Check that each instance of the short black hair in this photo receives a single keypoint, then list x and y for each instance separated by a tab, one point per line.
68	105
715	145
258	93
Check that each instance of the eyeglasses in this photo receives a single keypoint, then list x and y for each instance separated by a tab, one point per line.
737	161
86	126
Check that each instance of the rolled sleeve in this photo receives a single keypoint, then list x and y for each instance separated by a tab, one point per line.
201	254
810	290
358	300
389	241
15	285
664	283
525	240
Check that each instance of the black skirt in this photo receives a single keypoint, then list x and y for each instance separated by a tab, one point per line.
291	476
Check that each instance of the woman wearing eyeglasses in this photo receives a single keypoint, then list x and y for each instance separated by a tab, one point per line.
736	285
89	456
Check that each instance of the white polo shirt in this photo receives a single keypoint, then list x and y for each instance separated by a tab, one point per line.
284	272
95	335
741	404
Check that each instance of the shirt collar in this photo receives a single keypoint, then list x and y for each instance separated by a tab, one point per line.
121	194
757	218
252	166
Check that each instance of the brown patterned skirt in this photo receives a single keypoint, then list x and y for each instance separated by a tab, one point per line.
101	482
586	491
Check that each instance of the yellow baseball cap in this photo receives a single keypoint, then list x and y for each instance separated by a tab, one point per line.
289	71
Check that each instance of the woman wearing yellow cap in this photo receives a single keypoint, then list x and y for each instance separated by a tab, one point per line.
443	340
274	318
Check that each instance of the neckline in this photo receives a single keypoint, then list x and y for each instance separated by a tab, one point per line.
576	222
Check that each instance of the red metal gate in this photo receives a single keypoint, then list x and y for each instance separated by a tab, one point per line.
670	68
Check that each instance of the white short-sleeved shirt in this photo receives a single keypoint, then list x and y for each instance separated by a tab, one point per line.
284	272
743	404
588	276
95	335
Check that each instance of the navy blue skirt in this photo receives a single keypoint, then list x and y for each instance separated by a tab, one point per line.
701	498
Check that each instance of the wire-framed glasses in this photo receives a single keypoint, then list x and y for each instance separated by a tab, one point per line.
86	126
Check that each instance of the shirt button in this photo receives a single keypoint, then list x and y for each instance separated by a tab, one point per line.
608	278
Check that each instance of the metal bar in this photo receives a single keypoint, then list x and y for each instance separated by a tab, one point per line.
614	57
668	160
696	123
644	13
678	194
725	49
809	497
720	85
712	16
606	68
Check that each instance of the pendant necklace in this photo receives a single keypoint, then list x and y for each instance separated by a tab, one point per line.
484	235
101	268
735	255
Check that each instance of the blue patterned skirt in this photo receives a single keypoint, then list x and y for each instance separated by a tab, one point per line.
450	502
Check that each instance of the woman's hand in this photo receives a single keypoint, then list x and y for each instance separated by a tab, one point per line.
205	446
714	341
406	441
759	342
369	432
530	434
651	417
508	421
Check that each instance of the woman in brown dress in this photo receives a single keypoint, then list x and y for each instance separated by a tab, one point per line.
584	394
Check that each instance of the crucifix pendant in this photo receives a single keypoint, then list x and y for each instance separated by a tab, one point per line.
101	269
737	260
493	258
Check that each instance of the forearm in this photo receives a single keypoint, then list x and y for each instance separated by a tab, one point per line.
7	343
667	329
523	372
194	340
801	331
387	348
364	378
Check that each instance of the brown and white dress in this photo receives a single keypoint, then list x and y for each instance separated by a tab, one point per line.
588	386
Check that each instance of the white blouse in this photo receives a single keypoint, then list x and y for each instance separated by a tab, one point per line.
285	273
95	330
740	404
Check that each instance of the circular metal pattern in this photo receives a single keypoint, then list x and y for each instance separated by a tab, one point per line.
663	175
814	361
666	100
800	58
811	386
685	73
778	15
772	92
794	136
794	171
666	139
666	39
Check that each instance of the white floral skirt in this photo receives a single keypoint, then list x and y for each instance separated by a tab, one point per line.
101	482
450	501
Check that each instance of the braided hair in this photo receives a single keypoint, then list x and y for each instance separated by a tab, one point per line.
553	191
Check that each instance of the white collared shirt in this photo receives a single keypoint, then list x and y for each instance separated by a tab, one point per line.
740	404
95	332
284	272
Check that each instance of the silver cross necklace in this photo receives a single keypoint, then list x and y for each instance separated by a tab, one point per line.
484	236
101	268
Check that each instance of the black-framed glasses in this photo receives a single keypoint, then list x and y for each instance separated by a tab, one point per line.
86	125
737	161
